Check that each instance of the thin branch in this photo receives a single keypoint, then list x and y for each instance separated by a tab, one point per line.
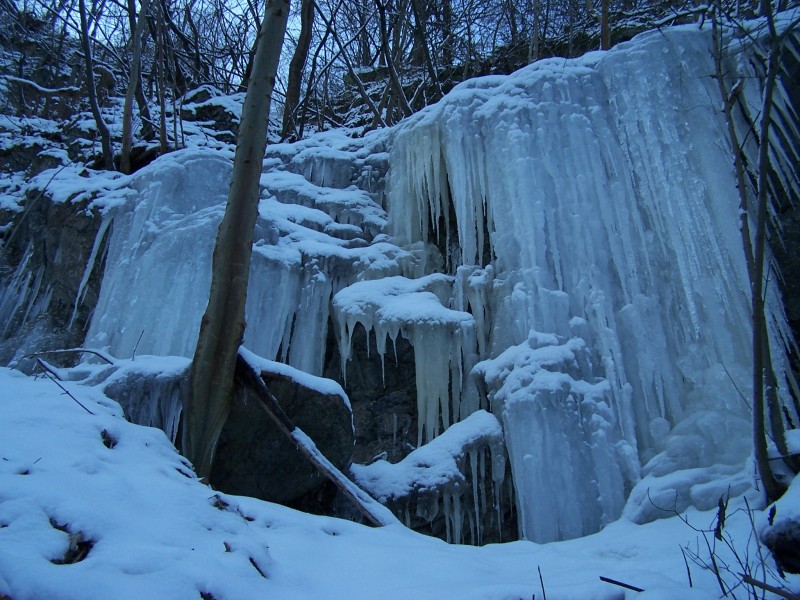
66	391
769	588
627	586
97	353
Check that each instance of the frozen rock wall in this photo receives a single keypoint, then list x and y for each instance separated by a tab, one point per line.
311	241
602	192
560	246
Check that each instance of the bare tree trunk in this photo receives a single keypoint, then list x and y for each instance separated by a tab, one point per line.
351	71
765	386
102	128
133	83
533	49
771	486
296	68
222	328
394	78
421	37
605	31
161	59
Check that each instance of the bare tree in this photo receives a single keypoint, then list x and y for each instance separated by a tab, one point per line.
222	326
133	83
296	68
754	212
102	128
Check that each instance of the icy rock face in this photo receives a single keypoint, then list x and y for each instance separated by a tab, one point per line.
155	287
443	340
599	191
310	241
45	261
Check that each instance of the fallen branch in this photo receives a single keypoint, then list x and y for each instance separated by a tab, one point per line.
67	91
770	588
375	512
66	391
97	353
627	586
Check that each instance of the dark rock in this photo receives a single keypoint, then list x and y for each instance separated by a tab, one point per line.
255	459
210	107
384	398
46	250
783	540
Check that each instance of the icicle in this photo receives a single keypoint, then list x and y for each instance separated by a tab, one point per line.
472	459
98	240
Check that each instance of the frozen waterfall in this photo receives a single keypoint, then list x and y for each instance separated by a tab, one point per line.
602	191
560	246
310	242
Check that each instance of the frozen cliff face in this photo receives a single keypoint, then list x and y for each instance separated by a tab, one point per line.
602	194
311	241
560	246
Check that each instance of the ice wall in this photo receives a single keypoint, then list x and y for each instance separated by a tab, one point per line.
604	192
310	242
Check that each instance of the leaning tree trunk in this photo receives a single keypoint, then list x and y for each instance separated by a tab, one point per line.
772	488
222	327
133	84
296	67
102	128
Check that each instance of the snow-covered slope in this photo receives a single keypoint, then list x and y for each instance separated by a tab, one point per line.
126	512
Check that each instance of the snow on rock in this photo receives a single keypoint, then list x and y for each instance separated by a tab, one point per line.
779	529
150	389
598	189
415	309
450	468
322	385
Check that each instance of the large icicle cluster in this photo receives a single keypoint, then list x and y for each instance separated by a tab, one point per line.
563	436
444	473
600	192
443	340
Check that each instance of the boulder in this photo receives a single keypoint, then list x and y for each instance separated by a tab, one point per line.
254	458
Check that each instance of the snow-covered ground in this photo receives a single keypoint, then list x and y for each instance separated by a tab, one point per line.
142	526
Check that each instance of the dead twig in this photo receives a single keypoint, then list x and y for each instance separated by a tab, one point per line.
627	586
65	390
769	588
97	353
541	582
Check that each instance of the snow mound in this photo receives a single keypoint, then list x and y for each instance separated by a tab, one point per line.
93	506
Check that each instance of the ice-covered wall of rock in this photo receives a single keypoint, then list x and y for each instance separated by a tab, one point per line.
616	302
560	246
311	241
